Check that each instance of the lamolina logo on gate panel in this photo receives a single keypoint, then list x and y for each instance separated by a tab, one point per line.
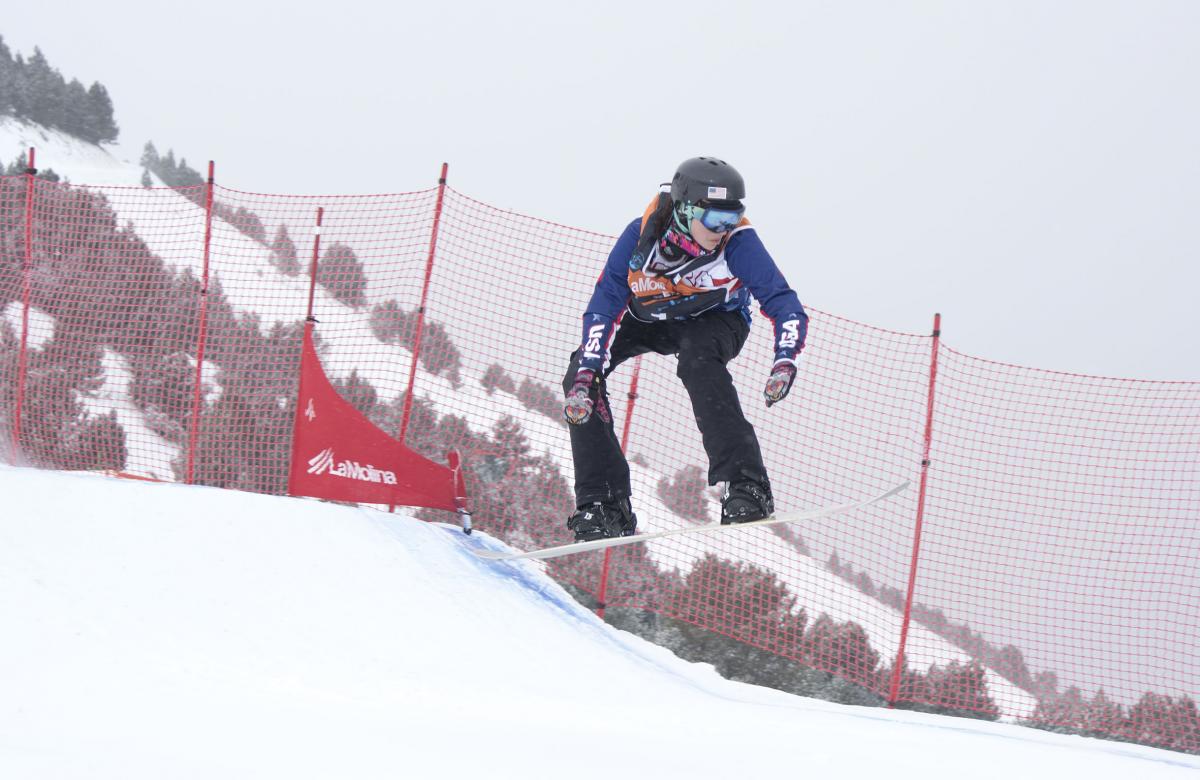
325	463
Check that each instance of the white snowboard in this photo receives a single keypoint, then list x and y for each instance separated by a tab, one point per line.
603	544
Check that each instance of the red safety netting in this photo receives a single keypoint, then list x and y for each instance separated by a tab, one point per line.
157	332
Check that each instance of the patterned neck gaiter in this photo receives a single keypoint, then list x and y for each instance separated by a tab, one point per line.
676	246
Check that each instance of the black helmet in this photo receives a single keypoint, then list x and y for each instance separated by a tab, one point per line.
707	179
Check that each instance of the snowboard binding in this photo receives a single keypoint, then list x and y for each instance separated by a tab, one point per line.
603	520
746	501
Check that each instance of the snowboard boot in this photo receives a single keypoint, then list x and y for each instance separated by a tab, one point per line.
746	501
603	520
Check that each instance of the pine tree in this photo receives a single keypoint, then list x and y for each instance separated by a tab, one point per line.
358	391
150	159
187	176
283	252
534	396
843	649
46	90
441	357
496	378
8	79
100	444
341	273
1103	716
1009	662
76	118
162	390
685	494
962	689
392	324
1065	710
102	126
1163	721
913	690
21	99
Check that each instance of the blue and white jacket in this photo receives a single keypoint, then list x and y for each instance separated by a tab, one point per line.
631	285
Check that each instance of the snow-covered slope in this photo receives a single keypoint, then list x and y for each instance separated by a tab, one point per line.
822	592
386	367
160	225
158	630
78	161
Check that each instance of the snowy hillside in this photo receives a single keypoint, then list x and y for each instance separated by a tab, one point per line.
78	161
386	367
84	164
171	631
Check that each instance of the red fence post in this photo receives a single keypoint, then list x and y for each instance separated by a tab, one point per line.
898	666
26	292
201	339
602	591
309	322
312	267
416	350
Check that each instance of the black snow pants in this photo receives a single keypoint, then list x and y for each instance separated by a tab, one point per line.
703	345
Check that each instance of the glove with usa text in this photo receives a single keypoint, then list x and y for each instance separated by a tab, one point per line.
780	383
577	408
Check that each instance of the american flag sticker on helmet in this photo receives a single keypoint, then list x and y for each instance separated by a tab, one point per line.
717	192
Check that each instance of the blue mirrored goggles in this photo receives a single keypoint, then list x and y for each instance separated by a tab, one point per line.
717	220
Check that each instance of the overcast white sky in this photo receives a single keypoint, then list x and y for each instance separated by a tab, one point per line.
1029	169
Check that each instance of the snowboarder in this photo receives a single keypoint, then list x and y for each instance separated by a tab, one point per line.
678	282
